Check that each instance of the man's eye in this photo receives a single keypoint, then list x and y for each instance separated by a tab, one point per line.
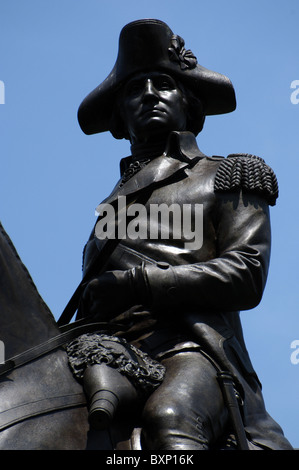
165	85
134	88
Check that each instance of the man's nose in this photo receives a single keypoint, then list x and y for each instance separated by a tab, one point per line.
149	89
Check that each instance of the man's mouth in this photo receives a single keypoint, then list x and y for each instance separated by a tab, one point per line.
152	111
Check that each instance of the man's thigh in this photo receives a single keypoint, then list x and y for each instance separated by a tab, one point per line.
188	407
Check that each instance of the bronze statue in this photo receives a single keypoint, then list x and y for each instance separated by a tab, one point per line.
173	349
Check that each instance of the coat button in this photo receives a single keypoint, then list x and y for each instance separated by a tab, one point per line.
162	265
172	292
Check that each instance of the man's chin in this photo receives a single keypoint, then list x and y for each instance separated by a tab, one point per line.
156	124
155	134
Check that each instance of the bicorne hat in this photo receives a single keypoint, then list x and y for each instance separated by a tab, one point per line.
150	44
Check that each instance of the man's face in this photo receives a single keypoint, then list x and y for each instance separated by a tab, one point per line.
152	106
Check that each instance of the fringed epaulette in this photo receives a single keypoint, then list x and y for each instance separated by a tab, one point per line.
249	173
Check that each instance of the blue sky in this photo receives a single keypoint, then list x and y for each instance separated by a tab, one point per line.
52	53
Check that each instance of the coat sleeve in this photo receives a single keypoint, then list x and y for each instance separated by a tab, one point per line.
232	280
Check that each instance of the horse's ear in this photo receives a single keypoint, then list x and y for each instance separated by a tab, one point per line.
25	319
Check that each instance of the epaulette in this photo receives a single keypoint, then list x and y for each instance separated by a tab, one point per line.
249	173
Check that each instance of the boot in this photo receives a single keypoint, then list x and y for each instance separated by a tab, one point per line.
107	390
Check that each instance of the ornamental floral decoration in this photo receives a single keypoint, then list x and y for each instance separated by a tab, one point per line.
178	53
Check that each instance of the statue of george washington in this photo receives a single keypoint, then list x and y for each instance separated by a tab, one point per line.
173	350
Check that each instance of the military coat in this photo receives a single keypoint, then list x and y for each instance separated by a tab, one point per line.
192	294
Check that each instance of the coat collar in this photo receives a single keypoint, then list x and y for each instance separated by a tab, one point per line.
181	152
183	146
180	145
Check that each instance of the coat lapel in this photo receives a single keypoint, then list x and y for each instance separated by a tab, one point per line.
157	171
181	153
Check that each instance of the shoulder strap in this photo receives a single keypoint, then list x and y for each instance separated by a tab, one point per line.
249	173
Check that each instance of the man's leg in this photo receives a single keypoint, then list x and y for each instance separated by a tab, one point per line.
187	411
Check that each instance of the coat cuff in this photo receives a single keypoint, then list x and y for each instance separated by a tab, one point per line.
155	285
